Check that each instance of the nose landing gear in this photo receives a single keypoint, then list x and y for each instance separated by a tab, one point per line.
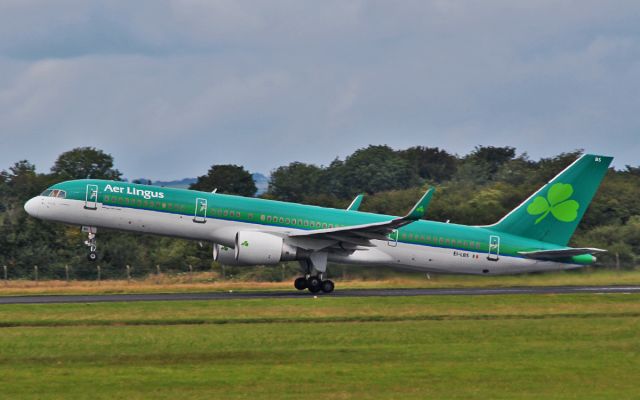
91	242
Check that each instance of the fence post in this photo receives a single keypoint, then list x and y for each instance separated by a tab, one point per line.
190	273
35	270
99	271
6	282
66	273
157	274
128	273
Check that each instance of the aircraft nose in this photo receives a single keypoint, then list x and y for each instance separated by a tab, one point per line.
32	206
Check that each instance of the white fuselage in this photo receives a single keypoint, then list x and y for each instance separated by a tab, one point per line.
384	253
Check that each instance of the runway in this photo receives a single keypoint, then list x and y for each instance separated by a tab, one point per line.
293	294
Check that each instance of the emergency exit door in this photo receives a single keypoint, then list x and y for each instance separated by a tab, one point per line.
200	215
494	248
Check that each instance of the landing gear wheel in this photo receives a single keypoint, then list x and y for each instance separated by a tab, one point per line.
300	283
92	256
314	284
327	286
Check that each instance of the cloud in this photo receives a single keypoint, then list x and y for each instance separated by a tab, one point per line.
171	87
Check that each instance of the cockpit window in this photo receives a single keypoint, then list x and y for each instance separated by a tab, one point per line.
61	194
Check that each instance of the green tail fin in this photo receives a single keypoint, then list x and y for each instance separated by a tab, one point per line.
553	212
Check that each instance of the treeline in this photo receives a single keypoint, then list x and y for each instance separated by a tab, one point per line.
477	188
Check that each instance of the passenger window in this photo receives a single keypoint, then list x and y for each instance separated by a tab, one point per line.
287	221
262	217
281	220
306	223
268	218
441	240
226	213
324	225
237	214
232	213
250	216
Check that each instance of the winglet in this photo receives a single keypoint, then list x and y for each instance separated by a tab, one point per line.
417	212
355	204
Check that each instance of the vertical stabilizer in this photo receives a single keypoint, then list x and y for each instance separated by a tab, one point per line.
553	212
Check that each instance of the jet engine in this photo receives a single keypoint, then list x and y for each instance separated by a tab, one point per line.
261	248
225	255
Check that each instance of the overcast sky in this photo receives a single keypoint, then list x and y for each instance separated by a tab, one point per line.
172	87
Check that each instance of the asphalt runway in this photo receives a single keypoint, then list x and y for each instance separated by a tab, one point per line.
293	294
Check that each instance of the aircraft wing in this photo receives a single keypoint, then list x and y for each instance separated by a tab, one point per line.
361	235
559	253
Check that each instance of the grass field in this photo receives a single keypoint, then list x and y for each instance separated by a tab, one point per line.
204	281
466	347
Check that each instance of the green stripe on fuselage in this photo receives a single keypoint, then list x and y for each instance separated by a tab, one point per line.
292	215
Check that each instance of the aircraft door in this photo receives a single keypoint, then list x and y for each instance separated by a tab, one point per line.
91	198
494	248
393	238
200	215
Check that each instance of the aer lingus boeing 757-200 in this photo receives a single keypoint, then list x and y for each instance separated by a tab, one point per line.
252	231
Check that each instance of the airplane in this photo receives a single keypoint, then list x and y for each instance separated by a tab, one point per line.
251	231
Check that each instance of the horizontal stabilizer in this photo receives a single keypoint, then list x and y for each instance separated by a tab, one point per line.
559	253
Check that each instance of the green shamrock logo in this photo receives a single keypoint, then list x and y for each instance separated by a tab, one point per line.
245	244
557	203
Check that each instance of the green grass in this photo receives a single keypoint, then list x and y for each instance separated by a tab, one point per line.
206	282
459	347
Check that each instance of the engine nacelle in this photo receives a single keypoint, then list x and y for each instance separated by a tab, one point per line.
225	255
260	248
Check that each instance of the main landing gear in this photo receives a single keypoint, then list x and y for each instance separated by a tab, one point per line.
314	269
91	242
314	284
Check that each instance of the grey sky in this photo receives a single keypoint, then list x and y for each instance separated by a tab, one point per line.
172	87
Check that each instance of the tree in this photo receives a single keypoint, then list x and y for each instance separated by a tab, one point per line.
430	162
372	169
228	179
85	162
294	182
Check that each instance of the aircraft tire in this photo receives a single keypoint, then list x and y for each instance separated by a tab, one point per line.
314	284
327	286
92	256
300	283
